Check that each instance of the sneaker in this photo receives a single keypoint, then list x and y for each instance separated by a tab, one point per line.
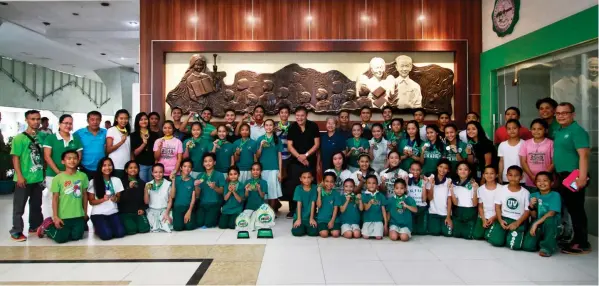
32	231
289	215
42	229
544	254
18	237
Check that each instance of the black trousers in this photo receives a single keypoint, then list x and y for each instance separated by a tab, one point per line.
294	172
574	202
33	194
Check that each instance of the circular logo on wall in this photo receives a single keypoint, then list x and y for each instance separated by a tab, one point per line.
505	16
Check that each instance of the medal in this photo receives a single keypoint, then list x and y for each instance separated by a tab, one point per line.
448	148
282	128
122	130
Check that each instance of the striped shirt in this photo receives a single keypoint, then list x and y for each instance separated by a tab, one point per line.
285	154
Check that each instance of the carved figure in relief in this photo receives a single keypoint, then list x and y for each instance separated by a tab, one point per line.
375	83
338	98
407	91
268	99
350	103
323	103
196	83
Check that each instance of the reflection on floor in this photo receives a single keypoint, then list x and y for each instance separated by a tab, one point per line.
217	257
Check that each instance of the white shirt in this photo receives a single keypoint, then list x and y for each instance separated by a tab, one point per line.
108	207
408	93
513	204
257	130
390	178
438	205
511	157
423	132
380	151
487	198
344	175
464	196
415	192
159	198
357	173
463	136
122	155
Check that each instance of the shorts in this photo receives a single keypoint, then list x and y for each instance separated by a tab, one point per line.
274	186
349	227
325	226
373	228
400	230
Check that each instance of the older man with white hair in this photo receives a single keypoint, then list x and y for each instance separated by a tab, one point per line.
407	90
375	82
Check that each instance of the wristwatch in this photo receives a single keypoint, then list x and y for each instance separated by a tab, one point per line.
307	155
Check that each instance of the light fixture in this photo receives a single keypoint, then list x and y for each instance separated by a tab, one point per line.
105	4
78	44
193	19
46	23
364	18
309	18
133	23
103	54
122	58
251	19
75	14
421	17
3	3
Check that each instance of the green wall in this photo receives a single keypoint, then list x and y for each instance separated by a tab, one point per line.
576	29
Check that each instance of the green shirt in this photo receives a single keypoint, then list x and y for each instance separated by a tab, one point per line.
392	137
432	156
330	201
404	144
248	149
549	202
70	188
30	156
183	191
223	157
553	127
374	213
59	146
254	201
197	151
207	194
452	156
270	153
565	145
232	206
353	143
206	130
306	198
400	216
351	215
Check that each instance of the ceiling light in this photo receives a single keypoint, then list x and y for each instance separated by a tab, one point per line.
193	19
46	23
102	54
251	19
421	17
133	23
3	3
309	18
105	4
78	44
75	14
122	59
365	18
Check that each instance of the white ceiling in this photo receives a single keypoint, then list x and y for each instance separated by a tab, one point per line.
98	29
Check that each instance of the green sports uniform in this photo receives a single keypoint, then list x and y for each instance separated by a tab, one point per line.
306	198
432	156
59	146
553	127
406	144
254	201
232	207
70	189
208	211
330	201
420	218
269	158
198	148
546	234
566	144
465	213
351	215
513	206
354	143
207	128
223	157
400	216
452	156
374	213
248	149
30	157
183	196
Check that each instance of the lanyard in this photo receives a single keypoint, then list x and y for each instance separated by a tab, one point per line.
109	187
156	187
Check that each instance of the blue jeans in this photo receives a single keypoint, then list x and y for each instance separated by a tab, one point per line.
108	226
145	173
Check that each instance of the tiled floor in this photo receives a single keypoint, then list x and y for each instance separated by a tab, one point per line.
283	260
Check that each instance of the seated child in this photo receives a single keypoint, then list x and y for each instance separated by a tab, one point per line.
511	201
183	194
158	198
463	196
212	185
486	203
69	203
545	206
439	220
103	195
131	204
328	202
234	196
375	216
305	196
256	188
417	186
351	210
399	212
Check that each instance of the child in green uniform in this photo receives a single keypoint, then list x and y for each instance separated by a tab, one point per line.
464	197
223	151
212	185
417	190
409	147
328	203
305	195
183	194
432	150
455	149
351	210
195	147
399	212
355	146
439	219
69	202
131	204
271	159
545	206
375	215
396	134
234	196
511	206
256	189
245	152
486	203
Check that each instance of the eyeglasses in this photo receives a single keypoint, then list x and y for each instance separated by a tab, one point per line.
563	113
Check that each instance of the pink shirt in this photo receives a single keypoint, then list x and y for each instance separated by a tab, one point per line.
538	156
501	134
168	154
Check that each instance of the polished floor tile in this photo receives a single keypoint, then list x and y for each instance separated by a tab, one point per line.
291	272
421	273
484	271
356	272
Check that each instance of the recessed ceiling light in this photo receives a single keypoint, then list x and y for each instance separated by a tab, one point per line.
102	54
193	19
365	18
105	4
75	14
421	17
3	3
309	18
78	44
251	19
133	23
122	58
46	23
